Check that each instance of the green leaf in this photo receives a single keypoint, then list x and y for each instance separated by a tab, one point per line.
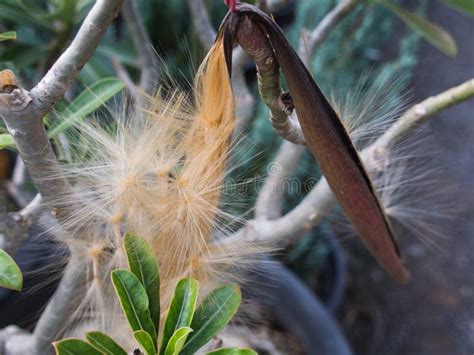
145	340
23	55
64	11
181	311
176	342
72	346
142	263
104	343
5	36
466	6
232	351
212	315
433	34
10	273
134	301
16	14
87	102
125	54
6	141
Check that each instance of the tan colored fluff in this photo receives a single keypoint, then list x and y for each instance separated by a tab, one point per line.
408	176
157	173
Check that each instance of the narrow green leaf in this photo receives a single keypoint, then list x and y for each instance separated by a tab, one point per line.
232	351
134	301
466	6
5	36
433	34
176	342
72	346
23	55
142	263
104	343
145	340
10	273
6	141
14	13
125	54
64	10
212	315
89	74
181	311
87	102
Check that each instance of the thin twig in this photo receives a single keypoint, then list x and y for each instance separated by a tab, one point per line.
19	172
14	229
54	317
269	203
419	113
245	102
142	42
256	44
122	74
16	186
202	23
286	125
60	307
319	202
310	42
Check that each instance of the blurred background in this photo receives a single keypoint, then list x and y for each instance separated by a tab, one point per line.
434	313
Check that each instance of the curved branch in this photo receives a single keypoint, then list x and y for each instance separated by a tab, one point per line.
245	102
202	23
270	200
254	41
256	44
142	42
122	74
61	306
15	228
54	317
269	204
419	113
319	202
310	42
23	111
61	75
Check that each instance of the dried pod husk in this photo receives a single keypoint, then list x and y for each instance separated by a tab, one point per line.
328	141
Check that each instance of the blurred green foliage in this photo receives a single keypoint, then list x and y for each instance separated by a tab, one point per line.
363	44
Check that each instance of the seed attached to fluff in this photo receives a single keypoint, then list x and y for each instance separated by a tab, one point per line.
158	173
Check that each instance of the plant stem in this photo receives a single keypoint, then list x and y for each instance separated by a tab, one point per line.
61	306
202	23
310	42
142	42
319	202
15	228
270	200
419	113
252	39
23	113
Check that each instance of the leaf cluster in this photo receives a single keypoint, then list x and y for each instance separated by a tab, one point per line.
186	328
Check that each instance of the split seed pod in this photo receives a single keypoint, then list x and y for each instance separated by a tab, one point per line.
327	140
